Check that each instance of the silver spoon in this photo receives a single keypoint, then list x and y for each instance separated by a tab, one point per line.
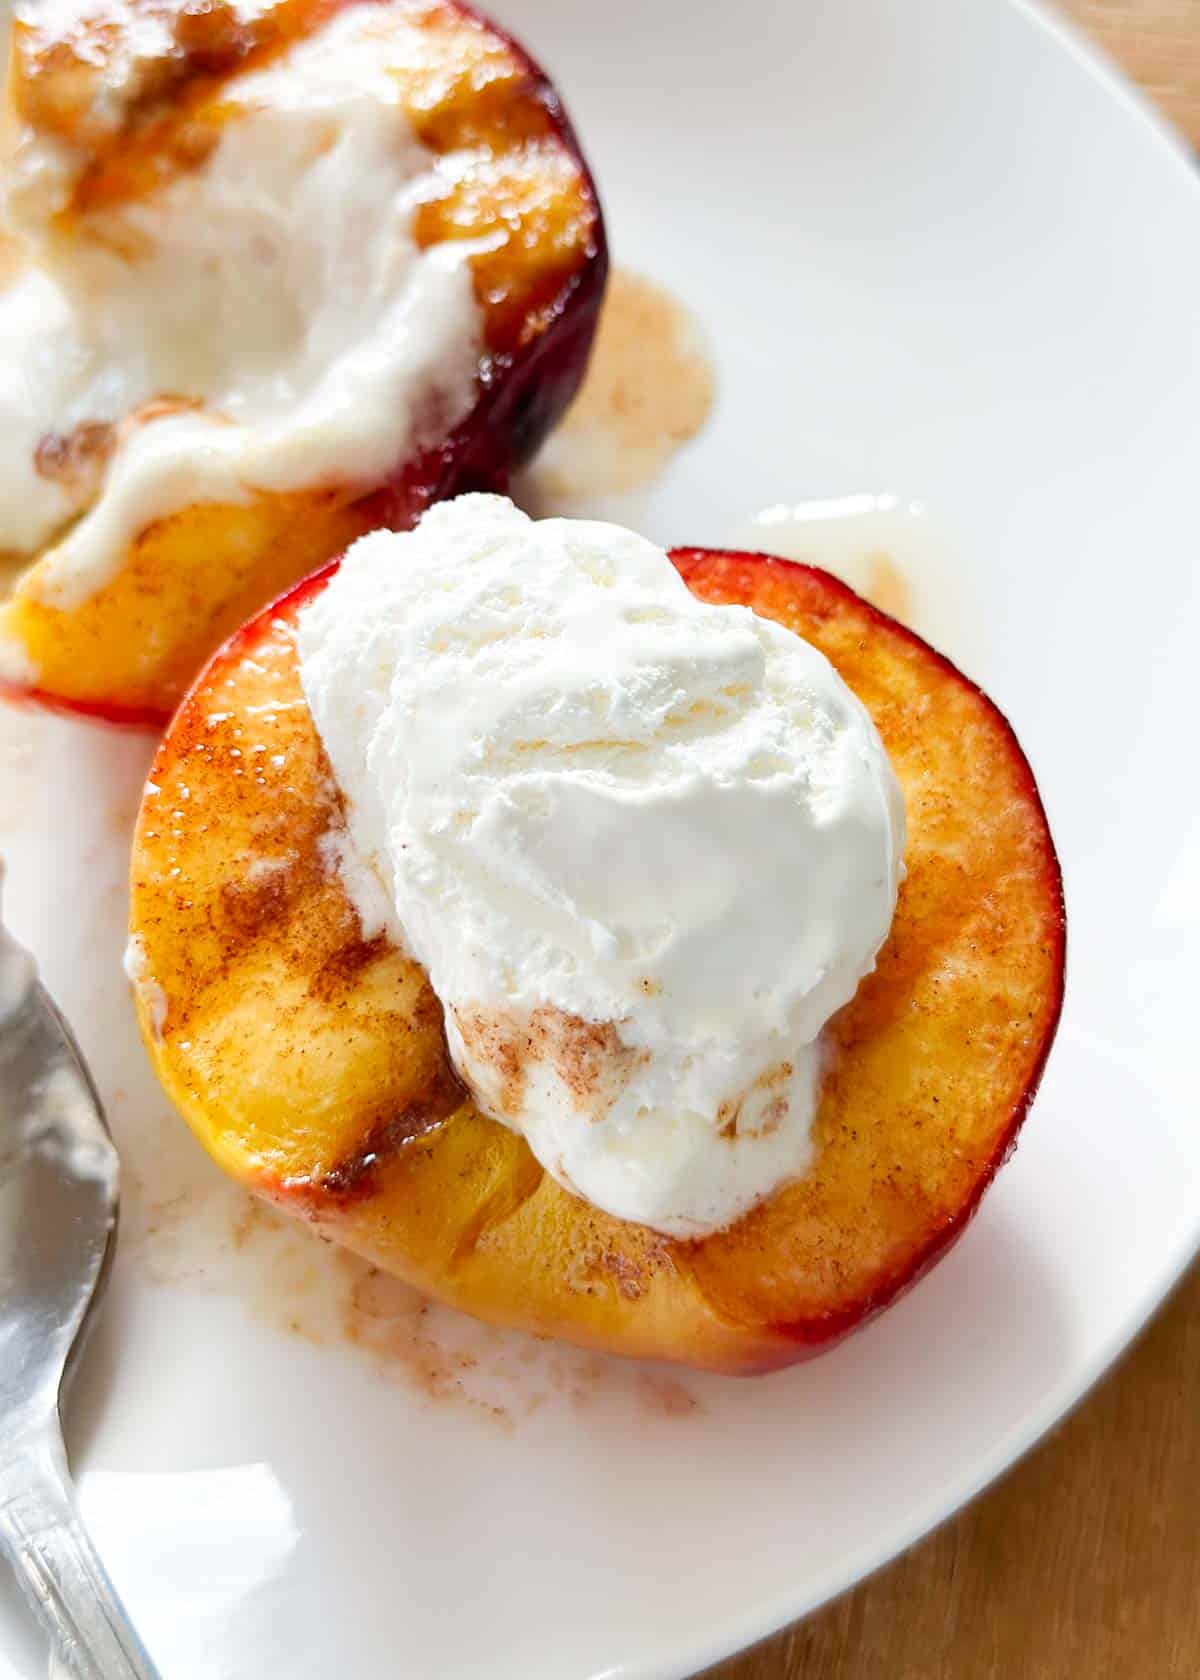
58	1219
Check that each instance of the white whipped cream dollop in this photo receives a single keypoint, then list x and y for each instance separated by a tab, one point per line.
644	846
270	305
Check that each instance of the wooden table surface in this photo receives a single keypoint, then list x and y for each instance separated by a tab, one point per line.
1084	1562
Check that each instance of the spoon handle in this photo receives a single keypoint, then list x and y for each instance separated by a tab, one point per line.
59	1569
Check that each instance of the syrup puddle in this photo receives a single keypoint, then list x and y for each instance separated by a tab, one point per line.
889	550
210	1235
648	391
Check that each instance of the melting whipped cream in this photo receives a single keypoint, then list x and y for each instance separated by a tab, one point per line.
644	846
270	306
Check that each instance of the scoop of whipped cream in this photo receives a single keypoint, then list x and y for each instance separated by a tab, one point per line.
644	846
263	320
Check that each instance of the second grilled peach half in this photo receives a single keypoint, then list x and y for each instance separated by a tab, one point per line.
119	115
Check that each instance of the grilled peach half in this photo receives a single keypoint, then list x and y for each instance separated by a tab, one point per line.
514	184
312	1064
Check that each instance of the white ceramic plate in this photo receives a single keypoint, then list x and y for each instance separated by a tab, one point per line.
940	254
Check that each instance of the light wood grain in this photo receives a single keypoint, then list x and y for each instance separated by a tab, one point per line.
1157	43
1084	1563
